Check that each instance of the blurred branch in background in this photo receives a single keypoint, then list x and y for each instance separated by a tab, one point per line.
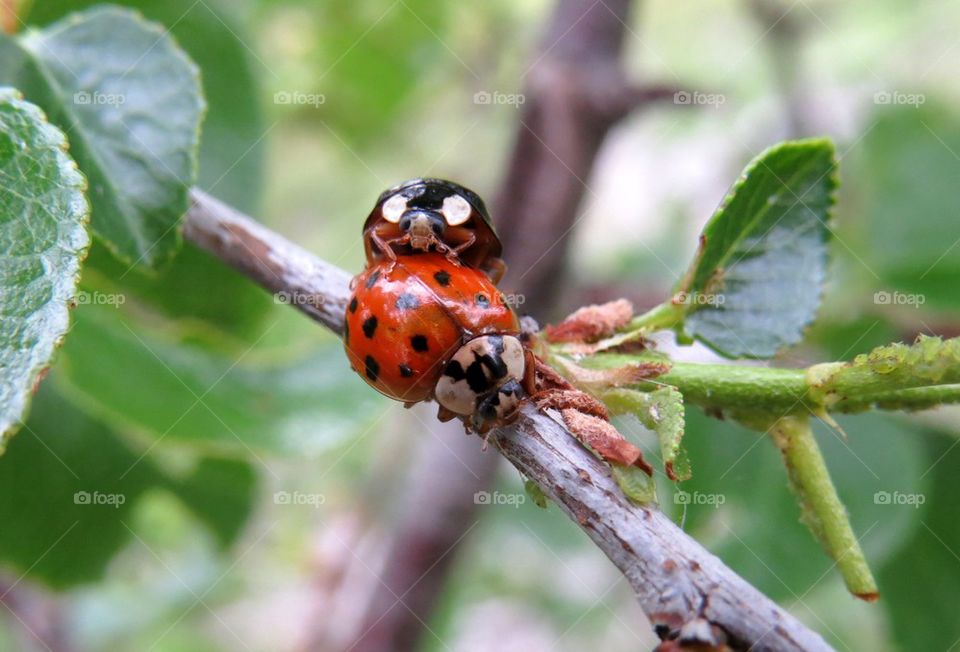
784	41
575	91
682	588
37	612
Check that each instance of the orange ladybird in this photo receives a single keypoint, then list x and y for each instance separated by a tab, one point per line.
423	327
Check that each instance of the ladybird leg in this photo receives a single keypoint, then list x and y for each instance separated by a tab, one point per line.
462	238
466	236
529	381
486	439
495	269
384	244
444	415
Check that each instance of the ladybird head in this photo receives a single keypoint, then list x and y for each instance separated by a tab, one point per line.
425	208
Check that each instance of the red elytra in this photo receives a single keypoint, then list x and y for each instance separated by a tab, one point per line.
408	317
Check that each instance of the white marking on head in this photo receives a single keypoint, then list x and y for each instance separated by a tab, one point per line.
456	210
394	208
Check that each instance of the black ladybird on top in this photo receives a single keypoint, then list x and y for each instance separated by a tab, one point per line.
423	215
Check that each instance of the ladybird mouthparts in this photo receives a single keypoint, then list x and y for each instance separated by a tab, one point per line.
422	225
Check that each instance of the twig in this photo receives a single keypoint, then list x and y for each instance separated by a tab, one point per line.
834	387
675	579
822	510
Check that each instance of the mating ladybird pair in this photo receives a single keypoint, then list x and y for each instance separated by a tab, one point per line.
426	320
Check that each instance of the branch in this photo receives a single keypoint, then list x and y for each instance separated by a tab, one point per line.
677	582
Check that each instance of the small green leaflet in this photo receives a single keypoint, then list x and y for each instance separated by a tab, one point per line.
661	411
756	281
43	217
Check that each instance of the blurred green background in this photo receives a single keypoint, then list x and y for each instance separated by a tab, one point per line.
214	411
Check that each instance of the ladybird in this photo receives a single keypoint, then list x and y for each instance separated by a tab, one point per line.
424	327
423	215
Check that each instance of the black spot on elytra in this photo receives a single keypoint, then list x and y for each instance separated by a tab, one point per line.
372	368
419	343
442	277
370	326
372	279
407	301
353	304
405	371
483	300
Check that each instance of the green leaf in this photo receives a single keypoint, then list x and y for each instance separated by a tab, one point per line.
661	411
919	585
635	483
85	480
221	492
535	493
43	215
907	165
186	394
196	286
194	289
756	281
131	101
232	150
